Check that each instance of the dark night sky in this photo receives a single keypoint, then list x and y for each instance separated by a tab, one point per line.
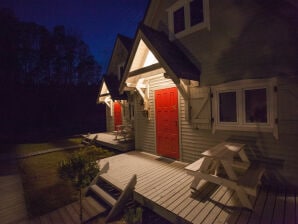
97	21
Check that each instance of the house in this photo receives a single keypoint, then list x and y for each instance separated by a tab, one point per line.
203	71
117	109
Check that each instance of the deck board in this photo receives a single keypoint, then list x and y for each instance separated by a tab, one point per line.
226	211
296	202
278	214
269	208
203	208
259	207
107	139
167	197
164	187
215	211
173	190
156	181
66	217
290	209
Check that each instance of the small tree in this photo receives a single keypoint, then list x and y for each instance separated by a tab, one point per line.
81	168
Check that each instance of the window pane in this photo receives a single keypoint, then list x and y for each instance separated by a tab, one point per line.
227	107
196	12
179	24
256	106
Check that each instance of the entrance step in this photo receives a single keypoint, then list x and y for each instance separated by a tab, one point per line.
103	195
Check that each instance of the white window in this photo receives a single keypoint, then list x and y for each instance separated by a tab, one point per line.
187	16
245	105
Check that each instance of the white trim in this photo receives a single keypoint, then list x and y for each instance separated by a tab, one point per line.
239	87
188	28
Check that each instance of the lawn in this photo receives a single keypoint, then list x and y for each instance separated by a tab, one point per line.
34	147
44	190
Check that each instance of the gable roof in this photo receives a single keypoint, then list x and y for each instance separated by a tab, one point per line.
172	59
113	84
171	54
110	81
109	88
127	41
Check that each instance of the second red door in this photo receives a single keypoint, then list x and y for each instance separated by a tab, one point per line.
117	115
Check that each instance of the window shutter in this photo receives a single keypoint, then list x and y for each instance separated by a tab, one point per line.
200	107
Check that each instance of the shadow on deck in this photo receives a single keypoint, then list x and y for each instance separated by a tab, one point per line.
164	187
108	140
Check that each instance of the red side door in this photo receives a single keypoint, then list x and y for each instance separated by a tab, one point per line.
117	115
167	130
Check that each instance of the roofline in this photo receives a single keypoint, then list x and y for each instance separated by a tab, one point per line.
141	36
99	89
146	11
115	43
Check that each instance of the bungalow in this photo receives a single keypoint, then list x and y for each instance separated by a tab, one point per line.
200	72
118	111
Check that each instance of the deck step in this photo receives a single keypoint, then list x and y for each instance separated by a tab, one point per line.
97	206
103	195
112	181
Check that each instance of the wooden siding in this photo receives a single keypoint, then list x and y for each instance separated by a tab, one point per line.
145	128
280	156
119	57
109	120
242	40
242	43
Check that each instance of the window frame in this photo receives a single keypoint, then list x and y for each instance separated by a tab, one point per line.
187	19
239	87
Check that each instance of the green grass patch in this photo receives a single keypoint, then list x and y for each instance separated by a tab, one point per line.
44	190
35	147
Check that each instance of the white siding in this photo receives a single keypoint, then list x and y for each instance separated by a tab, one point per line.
109	120
282	153
144	128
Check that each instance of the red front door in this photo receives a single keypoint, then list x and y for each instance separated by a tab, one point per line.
167	132
117	115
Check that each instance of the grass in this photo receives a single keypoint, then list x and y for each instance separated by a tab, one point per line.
35	147
44	190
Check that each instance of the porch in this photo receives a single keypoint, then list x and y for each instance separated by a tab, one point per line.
108	139
164	187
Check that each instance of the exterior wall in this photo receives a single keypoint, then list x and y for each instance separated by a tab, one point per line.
119	57
109	120
245	40
281	153
144	128
248	39
159	20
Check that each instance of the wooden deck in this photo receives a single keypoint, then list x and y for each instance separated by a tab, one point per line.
70	213
12	207
164	187
107	139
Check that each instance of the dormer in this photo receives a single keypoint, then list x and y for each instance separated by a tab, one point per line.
186	17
